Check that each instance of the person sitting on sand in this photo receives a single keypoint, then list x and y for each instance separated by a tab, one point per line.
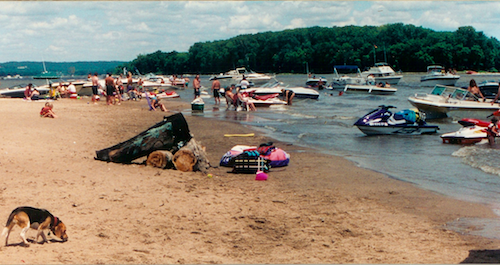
47	111
155	103
28	92
35	94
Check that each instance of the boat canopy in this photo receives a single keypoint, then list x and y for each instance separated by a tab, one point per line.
345	67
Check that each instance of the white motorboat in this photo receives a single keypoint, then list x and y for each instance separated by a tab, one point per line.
240	72
382	72
437	76
314	81
163	95
18	91
371	89
339	82
278	88
445	101
266	101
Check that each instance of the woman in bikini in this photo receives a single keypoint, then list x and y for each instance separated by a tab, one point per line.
474	89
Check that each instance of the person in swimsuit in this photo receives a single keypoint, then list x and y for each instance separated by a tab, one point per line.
474	89
47	111
492	130
196	86
110	89
95	88
215	90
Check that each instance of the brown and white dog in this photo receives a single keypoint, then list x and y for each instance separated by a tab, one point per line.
40	219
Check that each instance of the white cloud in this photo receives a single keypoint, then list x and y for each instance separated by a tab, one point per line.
95	30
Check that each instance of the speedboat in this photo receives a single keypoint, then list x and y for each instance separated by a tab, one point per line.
163	95
371	89
445	101
314	81
437	76
489	88
339	82
382	72
18	91
278	88
240	72
267	101
383	121
472	131
263	101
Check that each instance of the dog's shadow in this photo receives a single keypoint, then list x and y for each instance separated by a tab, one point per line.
31	241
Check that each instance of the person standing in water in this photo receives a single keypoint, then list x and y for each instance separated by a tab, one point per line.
492	130
196	86
215	90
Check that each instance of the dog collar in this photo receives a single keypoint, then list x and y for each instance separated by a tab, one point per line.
56	221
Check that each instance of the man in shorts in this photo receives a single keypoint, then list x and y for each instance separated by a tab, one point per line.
95	88
215	90
196	86
110	89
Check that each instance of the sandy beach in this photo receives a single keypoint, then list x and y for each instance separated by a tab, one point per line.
319	209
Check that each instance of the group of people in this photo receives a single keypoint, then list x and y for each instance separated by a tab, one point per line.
233	95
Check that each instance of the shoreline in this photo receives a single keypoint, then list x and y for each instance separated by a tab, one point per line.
320	209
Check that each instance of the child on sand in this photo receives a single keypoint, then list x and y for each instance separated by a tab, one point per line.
47	111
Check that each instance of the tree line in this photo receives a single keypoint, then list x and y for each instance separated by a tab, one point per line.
318	49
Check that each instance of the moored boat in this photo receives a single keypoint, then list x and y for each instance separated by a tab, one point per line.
240	72
313	81
371	89
339	82
489	88
382	72
446	101
436	75
277	87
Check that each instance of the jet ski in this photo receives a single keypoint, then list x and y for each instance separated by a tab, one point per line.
473	131
383	121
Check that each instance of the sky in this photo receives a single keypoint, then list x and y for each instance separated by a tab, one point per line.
69	31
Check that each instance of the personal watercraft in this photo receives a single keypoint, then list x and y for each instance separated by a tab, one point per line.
383	121
472	131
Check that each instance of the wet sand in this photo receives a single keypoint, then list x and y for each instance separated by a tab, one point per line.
319	209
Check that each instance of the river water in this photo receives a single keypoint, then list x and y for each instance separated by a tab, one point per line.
469	173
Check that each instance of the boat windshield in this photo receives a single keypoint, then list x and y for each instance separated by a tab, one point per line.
453	92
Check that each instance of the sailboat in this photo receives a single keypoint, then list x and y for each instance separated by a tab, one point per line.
46	74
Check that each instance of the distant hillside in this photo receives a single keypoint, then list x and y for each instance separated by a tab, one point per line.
405	47
64	68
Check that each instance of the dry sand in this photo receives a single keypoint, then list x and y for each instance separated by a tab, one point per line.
319	209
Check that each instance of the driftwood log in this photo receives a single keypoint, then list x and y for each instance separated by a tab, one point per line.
191	157
170	134
160	159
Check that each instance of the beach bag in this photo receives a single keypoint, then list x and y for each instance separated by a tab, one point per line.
249	162
277	157
225	161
